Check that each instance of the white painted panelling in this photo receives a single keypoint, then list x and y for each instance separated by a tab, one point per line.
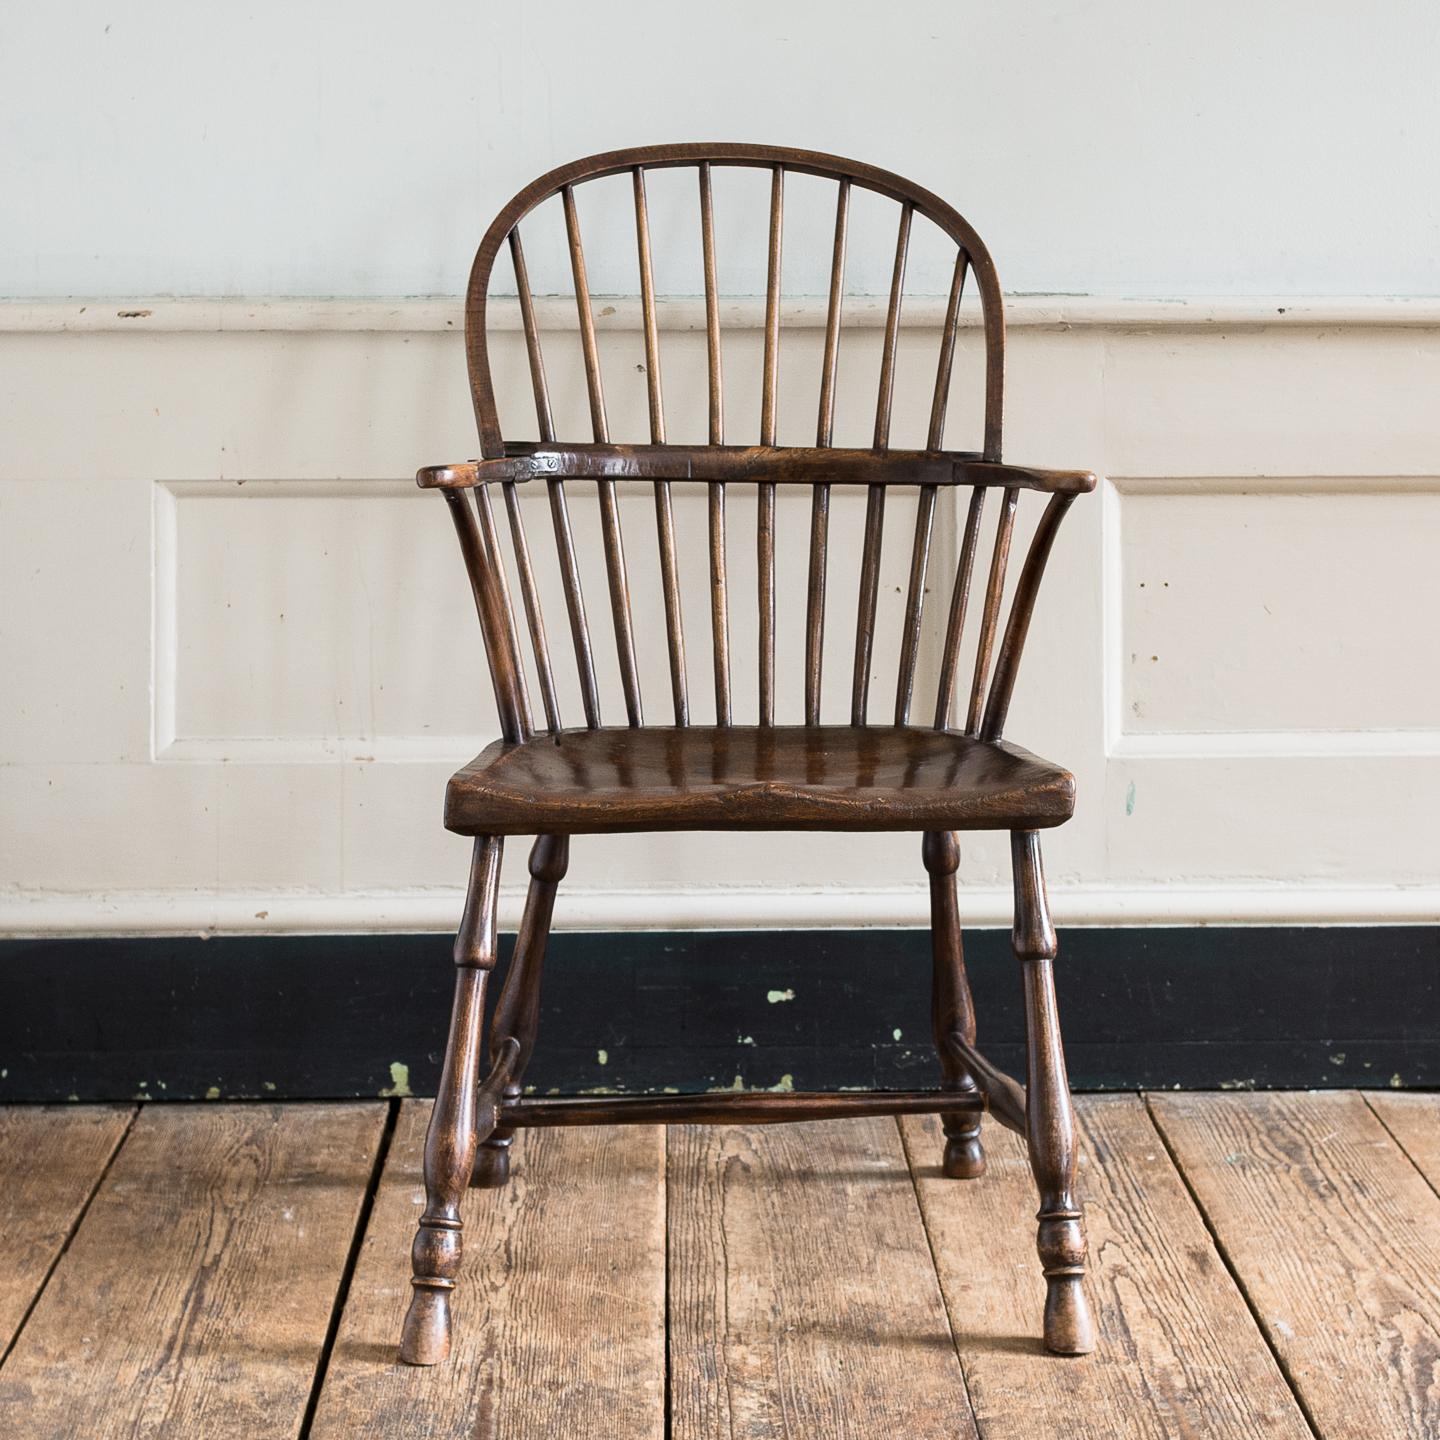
177	755
304	615
1279	605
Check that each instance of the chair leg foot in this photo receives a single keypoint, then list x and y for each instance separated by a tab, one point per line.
455	1122
492	1163
425	1338
1069	1330
964	1154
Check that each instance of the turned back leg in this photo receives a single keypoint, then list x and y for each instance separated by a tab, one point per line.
456	1124
517	1012
1049	1116
952	1011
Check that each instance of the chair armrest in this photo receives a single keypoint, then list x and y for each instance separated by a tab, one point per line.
1051	482
679	461
459	476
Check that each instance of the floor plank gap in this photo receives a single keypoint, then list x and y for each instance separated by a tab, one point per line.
342	1291
194	1298
1229	1264
905	1145
72	1229
1333	1231
1413	1122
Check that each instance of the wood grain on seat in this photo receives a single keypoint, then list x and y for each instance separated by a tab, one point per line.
830	777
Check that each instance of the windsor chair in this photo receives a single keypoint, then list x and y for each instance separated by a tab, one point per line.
549	780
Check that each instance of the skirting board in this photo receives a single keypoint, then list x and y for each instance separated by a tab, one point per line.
705	908
183	1017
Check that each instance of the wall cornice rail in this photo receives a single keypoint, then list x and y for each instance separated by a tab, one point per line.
438	313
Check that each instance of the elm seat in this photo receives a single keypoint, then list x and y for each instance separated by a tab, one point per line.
829	777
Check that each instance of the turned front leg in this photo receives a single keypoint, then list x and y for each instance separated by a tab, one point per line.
451	1141
952	1011
1049	1116
517	1012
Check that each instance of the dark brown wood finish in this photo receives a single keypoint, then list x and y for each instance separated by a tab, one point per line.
954	774
456	1121
1049	1116
517	1013
952	1010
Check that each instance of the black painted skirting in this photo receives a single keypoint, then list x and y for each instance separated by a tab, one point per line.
329	1016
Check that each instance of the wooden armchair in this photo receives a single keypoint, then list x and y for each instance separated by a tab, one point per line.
948	772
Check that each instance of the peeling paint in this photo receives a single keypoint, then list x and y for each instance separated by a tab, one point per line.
1396	1083
213	1093
603	1056
1338	1059
268	1084
783	1086
1130	798
896	1033
744	1039
399	1086
776	996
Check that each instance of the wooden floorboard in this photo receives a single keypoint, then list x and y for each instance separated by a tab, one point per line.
803	1299
195	1298
1335	1236
51	1159
560	1310
1177	1354
1263	1265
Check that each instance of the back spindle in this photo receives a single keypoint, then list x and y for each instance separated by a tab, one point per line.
712	308
765	499
892	333
875	501
935	439
719	613
589	348
664	512
533	616
914	604
532	339
574	601
990	616
719	617
490	539
959	601
609	506
997	707
820	497
869	593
